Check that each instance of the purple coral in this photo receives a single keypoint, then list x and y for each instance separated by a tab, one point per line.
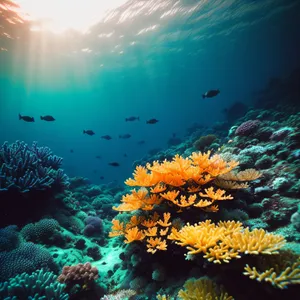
26	168
247	128
93	225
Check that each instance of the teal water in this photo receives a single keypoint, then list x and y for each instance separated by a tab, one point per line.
152	59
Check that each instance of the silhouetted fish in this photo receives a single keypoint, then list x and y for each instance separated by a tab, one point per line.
47	118
125	136
211	93
72	151
114	164
106	137
101	177
26	118
98	157
130	119
95	171
141	142
125	155
152	121
89	132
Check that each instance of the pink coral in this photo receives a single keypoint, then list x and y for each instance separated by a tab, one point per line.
247	127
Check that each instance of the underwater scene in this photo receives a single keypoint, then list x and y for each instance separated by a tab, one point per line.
149	149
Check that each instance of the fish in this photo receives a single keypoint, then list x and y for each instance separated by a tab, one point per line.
106	137
26	118
95	171
101	177
71	150
131	119
125	136
152	121
211	93
125	155
98	157
114	164
89	132
141	142
47	118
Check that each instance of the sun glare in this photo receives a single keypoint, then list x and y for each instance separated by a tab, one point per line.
60	15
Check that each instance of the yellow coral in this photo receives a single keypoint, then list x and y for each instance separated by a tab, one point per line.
225	241
280	270
163	297
202	289
291	275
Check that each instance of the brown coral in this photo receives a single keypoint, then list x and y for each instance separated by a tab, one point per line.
82	274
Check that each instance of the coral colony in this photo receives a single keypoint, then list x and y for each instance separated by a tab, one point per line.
217	209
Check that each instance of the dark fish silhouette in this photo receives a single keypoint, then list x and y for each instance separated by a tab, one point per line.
95	171
106	137
130	119
47	118
89	132
114	164
125	155
101	177
72	151
211	93
26	118
98	157
152	121
141	142
125	136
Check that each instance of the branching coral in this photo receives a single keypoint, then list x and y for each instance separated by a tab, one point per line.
279	270
202	289
226	240
176	185
26	168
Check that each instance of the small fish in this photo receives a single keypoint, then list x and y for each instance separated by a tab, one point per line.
47	118
106	137
26	118
125	155
131	119
141	142
114	164
89	132
125	136
101	177
98	157
211	93
152	121
72	151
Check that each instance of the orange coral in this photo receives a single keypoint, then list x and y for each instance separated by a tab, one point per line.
178	185
133	234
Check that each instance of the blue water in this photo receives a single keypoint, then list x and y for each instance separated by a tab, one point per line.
152	59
